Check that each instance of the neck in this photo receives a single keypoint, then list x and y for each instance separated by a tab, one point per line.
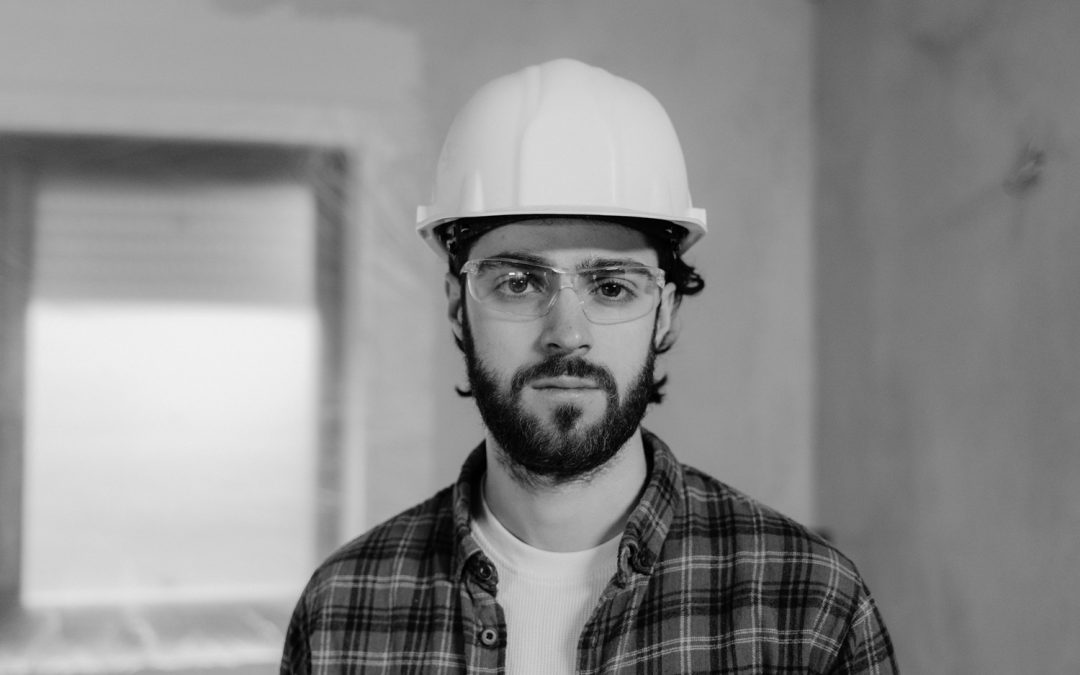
570	516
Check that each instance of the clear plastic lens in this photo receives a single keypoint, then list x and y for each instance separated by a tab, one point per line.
609	294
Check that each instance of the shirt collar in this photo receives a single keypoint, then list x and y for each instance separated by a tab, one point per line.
645	531
651	519
466	491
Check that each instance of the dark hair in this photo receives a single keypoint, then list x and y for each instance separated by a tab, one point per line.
457	237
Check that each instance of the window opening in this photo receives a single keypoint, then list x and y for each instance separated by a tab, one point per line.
180	335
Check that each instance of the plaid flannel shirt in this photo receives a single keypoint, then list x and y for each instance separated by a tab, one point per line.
708	580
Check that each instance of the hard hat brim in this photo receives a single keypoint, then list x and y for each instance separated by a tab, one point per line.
694	226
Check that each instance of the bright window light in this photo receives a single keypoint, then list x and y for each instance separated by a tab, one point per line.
172	389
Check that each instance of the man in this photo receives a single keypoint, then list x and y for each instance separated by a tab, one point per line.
574	541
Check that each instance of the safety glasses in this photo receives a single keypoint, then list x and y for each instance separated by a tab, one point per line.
608	294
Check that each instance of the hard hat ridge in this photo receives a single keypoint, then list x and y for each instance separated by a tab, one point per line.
561	138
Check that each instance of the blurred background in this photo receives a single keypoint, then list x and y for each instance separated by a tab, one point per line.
223	350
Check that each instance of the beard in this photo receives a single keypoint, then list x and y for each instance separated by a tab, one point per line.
536	451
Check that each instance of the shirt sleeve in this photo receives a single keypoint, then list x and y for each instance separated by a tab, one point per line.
868	650
296	657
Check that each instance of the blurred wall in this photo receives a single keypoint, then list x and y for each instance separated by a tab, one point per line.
949	322
384	79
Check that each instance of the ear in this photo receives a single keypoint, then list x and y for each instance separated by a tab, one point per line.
454	305
665	317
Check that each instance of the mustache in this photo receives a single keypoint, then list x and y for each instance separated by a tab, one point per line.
556	366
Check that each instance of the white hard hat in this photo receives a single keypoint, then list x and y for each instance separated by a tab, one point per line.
562	138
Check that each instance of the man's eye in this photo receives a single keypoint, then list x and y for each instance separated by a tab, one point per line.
517	283
615	288
612	289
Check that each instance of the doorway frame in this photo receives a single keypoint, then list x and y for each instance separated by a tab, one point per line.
344	136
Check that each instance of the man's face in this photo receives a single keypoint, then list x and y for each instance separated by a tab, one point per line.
559	394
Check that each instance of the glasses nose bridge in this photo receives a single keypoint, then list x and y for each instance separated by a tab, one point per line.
567	279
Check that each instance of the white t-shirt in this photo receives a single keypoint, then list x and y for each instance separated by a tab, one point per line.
547	597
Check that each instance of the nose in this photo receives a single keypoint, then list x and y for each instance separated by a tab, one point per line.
566	328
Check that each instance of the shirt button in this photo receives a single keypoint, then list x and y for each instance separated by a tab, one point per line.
645	560
484	570
489	637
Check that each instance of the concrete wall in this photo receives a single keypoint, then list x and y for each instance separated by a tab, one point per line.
949	320
383	79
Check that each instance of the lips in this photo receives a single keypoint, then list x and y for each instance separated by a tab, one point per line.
557	375
563	382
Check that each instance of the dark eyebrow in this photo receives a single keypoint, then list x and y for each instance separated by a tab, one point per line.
588	263
523	257
597	261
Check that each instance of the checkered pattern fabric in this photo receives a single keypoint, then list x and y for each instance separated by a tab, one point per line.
708	581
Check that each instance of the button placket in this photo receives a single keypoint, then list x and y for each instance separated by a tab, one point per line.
484	575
